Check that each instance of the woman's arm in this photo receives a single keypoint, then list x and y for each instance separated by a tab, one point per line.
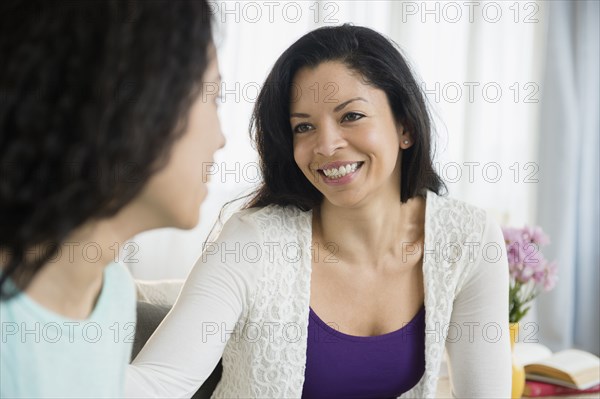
186	347
479	356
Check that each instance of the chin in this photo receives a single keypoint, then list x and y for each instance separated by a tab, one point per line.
191	223
191	219
186	222
344	202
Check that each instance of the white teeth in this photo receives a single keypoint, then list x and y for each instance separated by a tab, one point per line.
342	171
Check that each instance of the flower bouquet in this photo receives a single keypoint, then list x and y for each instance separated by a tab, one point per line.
530	272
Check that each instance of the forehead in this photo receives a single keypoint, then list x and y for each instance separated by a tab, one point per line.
326	70
329	82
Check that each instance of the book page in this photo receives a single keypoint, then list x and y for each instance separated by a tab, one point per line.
528	353
582	366
572	361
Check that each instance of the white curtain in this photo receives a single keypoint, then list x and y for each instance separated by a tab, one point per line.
482	65
569	190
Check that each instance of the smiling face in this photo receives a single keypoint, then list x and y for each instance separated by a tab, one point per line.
346	140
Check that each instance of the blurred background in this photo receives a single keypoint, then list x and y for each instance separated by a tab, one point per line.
513	88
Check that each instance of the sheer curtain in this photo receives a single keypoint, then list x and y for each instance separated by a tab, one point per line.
569	175
482	65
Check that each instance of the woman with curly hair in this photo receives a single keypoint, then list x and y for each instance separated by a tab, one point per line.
349	274
104	129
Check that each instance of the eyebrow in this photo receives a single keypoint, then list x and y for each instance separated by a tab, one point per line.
336	109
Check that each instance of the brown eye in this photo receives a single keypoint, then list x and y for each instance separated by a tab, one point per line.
352	116
302	128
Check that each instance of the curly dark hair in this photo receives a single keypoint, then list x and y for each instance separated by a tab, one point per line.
93	95
380	63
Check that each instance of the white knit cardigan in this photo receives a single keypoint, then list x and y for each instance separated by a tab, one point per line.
247	300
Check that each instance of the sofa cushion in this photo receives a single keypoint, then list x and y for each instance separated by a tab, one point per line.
149	316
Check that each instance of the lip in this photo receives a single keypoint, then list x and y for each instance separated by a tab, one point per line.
342	180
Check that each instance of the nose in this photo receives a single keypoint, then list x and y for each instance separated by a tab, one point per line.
328	140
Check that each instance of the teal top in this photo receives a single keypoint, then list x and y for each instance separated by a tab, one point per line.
46	355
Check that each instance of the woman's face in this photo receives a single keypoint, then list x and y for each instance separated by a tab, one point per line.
346	140
175	193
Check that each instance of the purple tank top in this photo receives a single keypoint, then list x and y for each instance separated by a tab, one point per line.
345	366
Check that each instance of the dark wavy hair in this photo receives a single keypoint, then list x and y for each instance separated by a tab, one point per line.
93	94
380	63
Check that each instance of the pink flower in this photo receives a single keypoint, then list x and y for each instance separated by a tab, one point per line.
512	235
528	267
535	234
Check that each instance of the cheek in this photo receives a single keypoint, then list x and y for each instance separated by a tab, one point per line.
188	163
376	135
299	154
212	129
302	157
381	139
205	140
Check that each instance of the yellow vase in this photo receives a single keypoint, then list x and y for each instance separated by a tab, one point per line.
518	372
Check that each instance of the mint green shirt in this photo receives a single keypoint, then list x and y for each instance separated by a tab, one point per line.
45	355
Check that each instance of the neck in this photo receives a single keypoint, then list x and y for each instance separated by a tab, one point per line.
372	231
70	283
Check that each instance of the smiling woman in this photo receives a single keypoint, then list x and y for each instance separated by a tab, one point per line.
341	283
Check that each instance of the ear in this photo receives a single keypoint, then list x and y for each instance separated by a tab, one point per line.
404	137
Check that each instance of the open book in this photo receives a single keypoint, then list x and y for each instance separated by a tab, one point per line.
571	368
